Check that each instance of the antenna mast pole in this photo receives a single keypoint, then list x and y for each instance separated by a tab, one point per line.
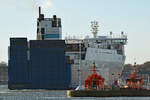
79	70
94	26
39	11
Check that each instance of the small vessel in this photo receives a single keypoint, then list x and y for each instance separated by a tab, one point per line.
133	88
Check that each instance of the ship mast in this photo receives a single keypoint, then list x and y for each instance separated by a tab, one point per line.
94	26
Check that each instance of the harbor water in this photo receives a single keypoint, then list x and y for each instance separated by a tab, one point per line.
6	94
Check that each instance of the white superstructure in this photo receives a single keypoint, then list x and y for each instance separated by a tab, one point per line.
106	51
48	28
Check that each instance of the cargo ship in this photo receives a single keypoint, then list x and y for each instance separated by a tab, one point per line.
40	63
106	51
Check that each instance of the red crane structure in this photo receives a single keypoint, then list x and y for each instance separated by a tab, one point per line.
94	81
134	81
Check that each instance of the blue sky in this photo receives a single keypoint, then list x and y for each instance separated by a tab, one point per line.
18	18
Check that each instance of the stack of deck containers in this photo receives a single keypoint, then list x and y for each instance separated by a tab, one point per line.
48	67
17	63
40	65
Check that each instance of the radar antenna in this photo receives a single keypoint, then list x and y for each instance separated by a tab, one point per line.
94	26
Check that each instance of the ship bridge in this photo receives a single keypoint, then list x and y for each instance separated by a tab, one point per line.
121	39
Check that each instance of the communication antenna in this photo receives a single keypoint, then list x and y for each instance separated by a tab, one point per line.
94	26
39	11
